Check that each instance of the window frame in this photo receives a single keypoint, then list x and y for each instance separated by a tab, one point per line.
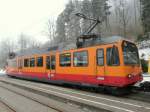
127	64
87	58
28	64
51	62
100	57
107	58
12	63
60	59
34	62
37	61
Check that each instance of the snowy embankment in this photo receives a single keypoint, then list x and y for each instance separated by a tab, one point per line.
144	53
146	77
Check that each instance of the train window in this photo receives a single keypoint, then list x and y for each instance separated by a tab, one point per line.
12	63
130	53
80	59
100	57
26	62
53	62
47	62
32	62
112	56
65	60
39	61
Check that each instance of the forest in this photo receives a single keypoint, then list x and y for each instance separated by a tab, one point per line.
127	18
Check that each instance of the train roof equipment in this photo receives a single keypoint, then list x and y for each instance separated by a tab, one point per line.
86	39
90	39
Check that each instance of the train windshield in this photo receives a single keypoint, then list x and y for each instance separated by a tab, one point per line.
130	53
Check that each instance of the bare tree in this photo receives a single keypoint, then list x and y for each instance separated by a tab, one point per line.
123	12
34	43
137	17
7	46
23	42
135	14
122	16
125	18
51	30
27	42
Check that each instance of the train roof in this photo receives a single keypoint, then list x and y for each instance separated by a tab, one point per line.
34	51
111	39
67	46
86	41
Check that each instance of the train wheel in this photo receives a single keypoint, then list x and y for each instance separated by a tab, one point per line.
118	91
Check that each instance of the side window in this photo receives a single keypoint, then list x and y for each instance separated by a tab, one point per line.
100	57
39	61
65	60
80	59
47	62
12	63
112	56
53	62
32	62
26	62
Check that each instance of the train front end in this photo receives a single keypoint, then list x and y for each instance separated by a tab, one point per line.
131	63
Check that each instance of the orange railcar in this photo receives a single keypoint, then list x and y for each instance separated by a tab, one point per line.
114	64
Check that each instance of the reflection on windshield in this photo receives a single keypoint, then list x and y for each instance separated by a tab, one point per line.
130	53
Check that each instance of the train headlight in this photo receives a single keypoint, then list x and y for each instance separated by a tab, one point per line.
129	75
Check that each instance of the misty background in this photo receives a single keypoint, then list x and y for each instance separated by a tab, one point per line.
57	23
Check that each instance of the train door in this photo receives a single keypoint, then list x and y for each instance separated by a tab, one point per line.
100	66
52	66
20	64
48	70
112	68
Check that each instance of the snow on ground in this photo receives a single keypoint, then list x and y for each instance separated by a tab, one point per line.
146	77
2	72
146	53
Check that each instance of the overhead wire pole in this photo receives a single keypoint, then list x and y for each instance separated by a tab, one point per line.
135	17
81	41
96	22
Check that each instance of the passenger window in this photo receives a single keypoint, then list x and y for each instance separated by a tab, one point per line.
112	56
12	63
39	61
65	60
80	59
26	62
32	62
53	62
47	62
100	57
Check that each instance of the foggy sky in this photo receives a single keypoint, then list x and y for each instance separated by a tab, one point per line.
27	16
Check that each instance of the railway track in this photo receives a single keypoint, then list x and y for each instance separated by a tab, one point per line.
6	107
46	101
21	94
86	101
29	106
135	94
12	97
